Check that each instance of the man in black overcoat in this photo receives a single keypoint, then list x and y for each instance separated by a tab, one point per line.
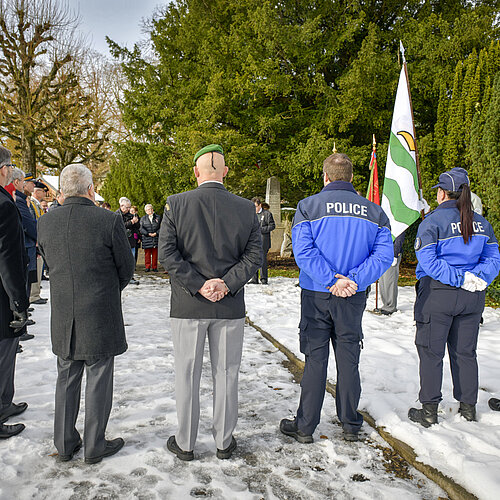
267	225
210	244
13	297
88	256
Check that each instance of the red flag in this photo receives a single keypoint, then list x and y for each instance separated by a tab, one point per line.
373	190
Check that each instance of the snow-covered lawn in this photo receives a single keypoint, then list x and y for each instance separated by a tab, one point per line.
266	464
469	452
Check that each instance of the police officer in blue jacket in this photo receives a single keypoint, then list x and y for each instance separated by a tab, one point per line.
342	243
457	259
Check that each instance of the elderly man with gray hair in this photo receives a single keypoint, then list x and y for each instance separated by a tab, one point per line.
88	255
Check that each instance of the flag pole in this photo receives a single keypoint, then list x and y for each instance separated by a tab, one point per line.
374	149
417	159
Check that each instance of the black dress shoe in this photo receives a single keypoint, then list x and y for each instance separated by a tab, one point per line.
147	269
76	449
263	282
113	446
289	428
12	410
19	349
31	309
30	322
172	446
154	270
7	431
227	452
494	404
26	336
40	301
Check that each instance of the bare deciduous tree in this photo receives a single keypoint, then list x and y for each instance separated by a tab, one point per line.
37	41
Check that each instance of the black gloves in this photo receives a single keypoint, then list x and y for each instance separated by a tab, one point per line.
19	321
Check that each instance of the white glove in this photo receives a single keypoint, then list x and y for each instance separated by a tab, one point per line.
473	283
481	284
423	205
394	262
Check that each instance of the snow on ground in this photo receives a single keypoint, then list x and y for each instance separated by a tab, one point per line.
469	452
265	465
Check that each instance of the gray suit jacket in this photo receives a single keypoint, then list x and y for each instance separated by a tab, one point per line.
88	255
209	233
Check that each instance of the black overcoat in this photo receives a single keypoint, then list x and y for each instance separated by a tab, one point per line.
13	265
209	233
267	225
29	226
150	227
89	259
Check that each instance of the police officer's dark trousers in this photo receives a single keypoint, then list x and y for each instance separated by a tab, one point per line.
447	316
326	318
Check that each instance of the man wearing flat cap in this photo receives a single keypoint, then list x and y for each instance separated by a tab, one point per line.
210	244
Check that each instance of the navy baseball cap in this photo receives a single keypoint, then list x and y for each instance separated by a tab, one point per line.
453	179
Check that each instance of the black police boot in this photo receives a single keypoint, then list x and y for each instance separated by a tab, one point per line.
468	412
425	416
494	404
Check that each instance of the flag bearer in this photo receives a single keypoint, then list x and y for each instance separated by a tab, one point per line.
457	259
342	243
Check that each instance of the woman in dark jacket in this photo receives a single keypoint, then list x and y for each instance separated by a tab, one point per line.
150	225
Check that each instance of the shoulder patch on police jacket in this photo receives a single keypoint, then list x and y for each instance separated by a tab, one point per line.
418	243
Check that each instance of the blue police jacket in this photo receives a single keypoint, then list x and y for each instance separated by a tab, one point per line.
444	256
338	231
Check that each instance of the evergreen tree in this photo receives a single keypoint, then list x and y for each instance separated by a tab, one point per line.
278	83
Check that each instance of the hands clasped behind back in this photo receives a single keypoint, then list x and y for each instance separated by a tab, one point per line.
214	289
343	287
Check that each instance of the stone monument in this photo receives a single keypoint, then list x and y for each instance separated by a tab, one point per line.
273	199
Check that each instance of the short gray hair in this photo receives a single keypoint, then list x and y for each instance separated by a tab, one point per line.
123	200
5	156
17	174
147	205
75	180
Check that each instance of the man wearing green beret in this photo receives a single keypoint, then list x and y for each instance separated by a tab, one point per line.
210	244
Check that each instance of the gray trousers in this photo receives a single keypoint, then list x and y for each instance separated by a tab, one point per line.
388	286
8	348
225	341
35	287
98	400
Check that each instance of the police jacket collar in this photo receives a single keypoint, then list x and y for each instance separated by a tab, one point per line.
447	204
78	200
346	186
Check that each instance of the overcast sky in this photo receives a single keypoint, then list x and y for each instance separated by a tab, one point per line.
118	19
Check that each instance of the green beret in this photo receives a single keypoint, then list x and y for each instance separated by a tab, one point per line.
211	148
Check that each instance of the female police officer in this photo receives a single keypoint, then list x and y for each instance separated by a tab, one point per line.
457	259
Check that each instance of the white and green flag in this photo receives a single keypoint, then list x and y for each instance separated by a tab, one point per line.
401	195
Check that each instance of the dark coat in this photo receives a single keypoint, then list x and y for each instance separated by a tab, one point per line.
89	259
130	227
29	226
148	227
209	233
13	265
267	225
